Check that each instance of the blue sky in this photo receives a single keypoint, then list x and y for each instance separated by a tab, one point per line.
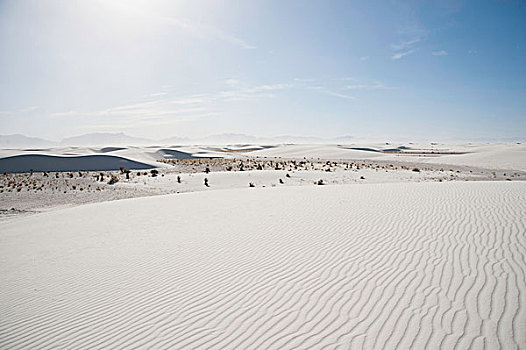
378	70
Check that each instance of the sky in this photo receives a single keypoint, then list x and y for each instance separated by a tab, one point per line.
417	70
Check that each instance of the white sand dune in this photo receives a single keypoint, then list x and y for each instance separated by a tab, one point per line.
497	155
502	156
105	158
40	162
384	266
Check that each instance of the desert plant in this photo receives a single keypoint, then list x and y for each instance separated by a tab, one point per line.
362	178
416	170
320	182
114	179
154	172
250	184
206	182
178	179
287	175
207	170
280	181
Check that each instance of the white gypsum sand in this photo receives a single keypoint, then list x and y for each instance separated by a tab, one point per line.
502	156
70	176
413	265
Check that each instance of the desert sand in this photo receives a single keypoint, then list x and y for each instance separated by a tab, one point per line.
394	250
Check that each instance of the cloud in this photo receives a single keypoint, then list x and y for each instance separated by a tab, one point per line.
305	80
336	86
244	94
28	109
330	92
439	53
364	58
203	30
195	28
21	111
174	109
156	94
337	94
405	48
232	82
400	55
405	44
373	86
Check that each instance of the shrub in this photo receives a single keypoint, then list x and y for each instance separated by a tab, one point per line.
416	170
114	179
154	172
206	182
362	178
287	175
178	179
320	182
280	181
250	184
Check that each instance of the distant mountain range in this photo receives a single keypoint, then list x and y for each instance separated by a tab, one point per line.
121	139
20	141
103	139
117	139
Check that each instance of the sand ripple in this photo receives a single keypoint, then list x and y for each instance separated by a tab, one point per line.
425	265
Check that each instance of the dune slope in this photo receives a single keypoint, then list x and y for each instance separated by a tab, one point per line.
419	265
41	162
